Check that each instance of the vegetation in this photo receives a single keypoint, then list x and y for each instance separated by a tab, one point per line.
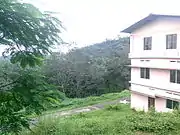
32	80
65	81
71	103
26	32
94	70
31	91
28	35
116	120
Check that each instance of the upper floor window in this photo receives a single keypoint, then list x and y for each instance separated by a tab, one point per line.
175	76
171	41
144	73
147	43
172	104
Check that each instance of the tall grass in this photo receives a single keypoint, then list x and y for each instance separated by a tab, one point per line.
70	103
110	121
95	123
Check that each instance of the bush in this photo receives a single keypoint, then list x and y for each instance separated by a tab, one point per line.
111	122
114	107
46	126
154	122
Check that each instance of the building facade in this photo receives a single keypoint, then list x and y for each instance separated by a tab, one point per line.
155	62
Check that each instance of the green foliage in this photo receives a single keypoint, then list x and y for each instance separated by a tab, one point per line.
93	70
27	33
23	92
96	123
158	123
110	122
70	103
114	107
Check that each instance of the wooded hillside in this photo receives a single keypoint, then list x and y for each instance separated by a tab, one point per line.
92	70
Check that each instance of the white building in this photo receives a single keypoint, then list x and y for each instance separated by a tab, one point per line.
155	62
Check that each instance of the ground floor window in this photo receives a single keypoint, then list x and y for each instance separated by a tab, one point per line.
172	104
151	102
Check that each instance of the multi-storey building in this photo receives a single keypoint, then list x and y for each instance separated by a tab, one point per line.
155	62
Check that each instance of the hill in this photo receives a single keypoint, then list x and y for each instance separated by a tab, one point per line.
108	48
93	70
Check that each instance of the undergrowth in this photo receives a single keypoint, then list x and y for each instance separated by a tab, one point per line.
113	120
70	103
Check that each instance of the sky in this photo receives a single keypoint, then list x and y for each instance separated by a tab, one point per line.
92	21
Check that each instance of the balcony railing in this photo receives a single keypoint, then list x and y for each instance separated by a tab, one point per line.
155	91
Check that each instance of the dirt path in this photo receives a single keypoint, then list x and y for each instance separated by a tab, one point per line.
83	109
90	108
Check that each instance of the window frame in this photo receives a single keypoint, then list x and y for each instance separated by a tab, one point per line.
145	73
175	76
172	104
171	41
147	43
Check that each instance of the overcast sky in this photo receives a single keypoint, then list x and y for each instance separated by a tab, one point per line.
91	21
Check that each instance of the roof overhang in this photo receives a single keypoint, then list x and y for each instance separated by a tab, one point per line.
146	20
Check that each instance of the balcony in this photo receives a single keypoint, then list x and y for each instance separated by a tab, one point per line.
170	54
155	91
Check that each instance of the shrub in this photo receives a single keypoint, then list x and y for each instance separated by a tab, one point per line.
46	126
111	122
154	122
114	107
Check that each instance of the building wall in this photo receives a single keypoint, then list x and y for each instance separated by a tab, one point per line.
158	59
139	102
159	26
160	104
158	30
156	63
158	78
142	87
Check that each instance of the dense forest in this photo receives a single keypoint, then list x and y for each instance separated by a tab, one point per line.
93	70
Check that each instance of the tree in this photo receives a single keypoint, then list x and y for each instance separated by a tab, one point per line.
28	35
92	70
23	92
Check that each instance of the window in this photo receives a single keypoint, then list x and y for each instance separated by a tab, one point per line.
144	73
171	41
175	76
147	43
172	104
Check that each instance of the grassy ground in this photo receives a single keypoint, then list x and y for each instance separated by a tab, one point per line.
114	120
71	103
